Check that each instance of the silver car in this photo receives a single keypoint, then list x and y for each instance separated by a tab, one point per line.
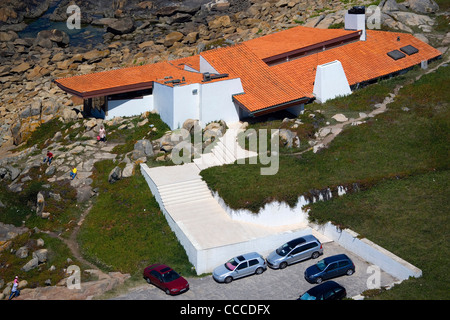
240	266
294	251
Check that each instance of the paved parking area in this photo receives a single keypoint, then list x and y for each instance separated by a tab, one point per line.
286	284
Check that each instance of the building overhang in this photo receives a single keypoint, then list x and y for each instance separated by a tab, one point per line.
277	107
107	91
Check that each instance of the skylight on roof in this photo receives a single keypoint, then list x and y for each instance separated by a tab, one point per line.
395	54
409	50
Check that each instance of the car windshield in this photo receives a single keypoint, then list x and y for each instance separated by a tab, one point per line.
306	296
231	264
284	249
321	265
170	276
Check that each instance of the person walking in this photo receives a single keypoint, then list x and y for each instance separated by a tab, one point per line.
49	157
15	288
102	134
73	173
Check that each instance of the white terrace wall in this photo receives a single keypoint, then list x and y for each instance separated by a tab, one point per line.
129	107
190	249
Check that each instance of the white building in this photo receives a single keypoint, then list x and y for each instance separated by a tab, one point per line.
280	71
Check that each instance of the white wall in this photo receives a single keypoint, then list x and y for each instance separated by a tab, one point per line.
277	214
208	259
186	104
163	102
129	107
330	81
356	22
272	214
217	103
370	251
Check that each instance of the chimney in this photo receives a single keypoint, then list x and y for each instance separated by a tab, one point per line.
355	19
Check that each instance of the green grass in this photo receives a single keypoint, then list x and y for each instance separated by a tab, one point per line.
57	256
127	138
408	217
19	207
125	230
395	143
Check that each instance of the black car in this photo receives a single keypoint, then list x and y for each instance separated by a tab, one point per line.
328	290
330	267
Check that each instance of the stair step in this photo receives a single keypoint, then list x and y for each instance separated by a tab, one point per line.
221	152
185	195
183	189
172	202
191	182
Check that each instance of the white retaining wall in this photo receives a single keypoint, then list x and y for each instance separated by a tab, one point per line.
272	215
277	213
369	251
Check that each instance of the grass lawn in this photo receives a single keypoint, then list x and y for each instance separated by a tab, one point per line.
409	217
125	230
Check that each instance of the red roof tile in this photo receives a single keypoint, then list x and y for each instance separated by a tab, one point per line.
262	87
267	86
292	39
124	79
361	61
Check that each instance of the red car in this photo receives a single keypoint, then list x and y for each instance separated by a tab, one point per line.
165	278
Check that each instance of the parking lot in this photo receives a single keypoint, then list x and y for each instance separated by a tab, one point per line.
286	284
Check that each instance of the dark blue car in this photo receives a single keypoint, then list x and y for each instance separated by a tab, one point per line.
328	290
330	267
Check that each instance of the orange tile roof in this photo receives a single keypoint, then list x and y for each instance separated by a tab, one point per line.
191	61
292	39
362	60
263	88
266	86
124	79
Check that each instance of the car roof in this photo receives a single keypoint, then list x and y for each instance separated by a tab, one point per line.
337	257
300	240
247	256
323	286
161	268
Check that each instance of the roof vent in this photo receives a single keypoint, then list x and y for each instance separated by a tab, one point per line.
206	76
175	81
395	54
212	76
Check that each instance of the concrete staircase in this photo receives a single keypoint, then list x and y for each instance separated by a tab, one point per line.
184	192
226	149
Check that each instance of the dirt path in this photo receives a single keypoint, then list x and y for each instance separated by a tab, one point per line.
72	243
